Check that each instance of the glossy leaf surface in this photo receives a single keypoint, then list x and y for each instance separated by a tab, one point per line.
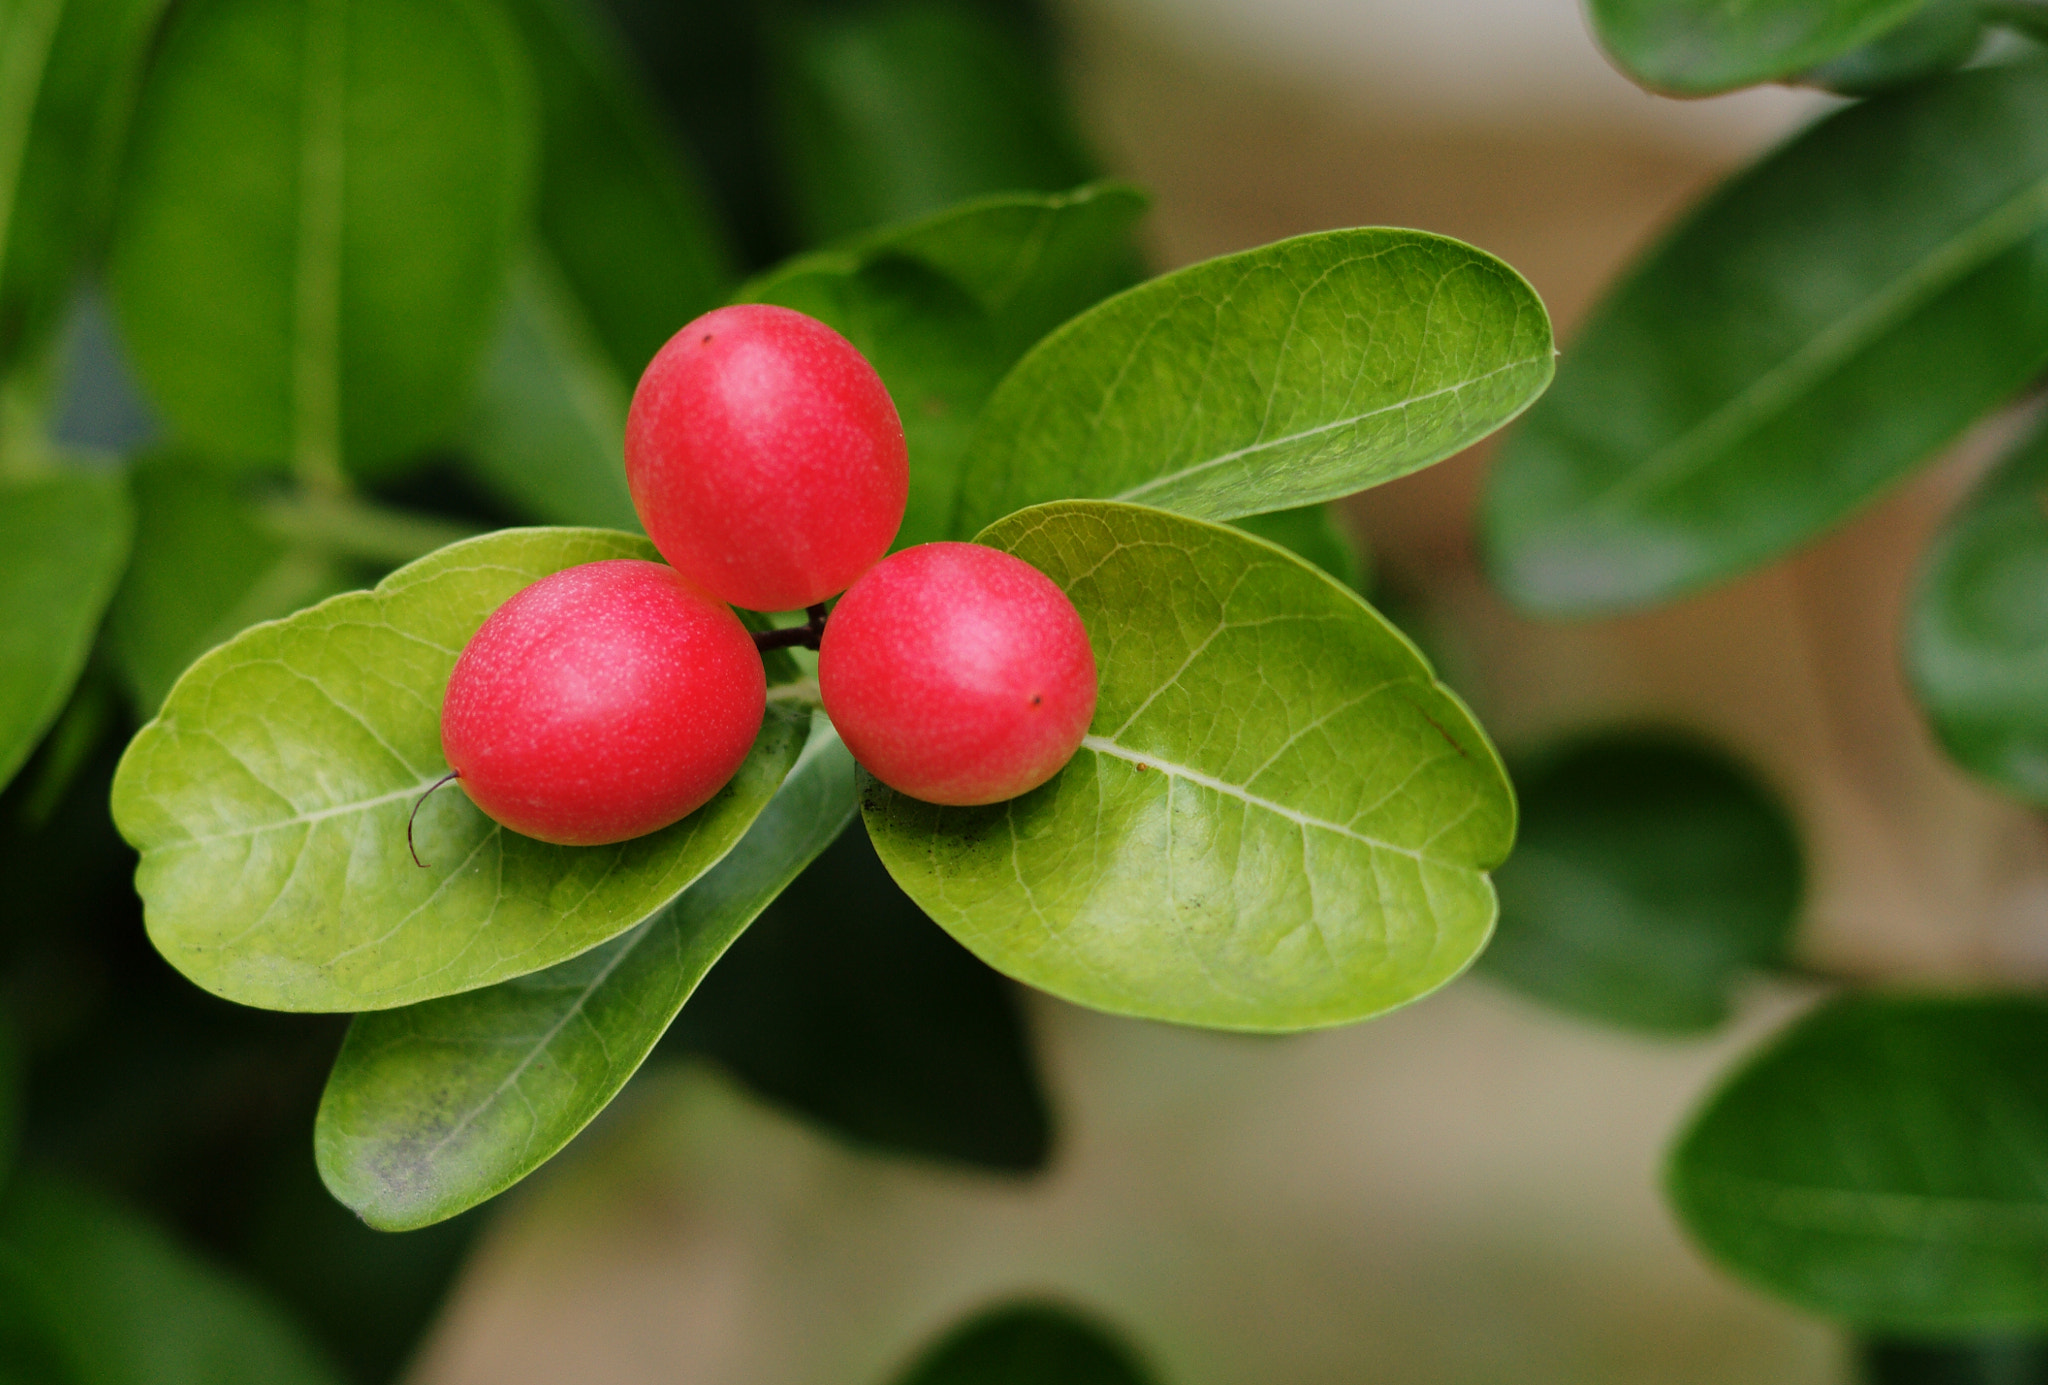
1698	47
1279	819
1649	876
433	1108
944	307
63	540
1977	638
1029	1344
269	801
1297	372
316	222
1880	1164
1849	305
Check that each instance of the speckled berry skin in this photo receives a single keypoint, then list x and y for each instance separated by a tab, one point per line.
602	703
957	674
765	458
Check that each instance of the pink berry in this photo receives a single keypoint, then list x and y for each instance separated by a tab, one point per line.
958	674
766	458
602	703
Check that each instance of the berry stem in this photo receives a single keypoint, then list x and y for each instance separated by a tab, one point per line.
805	636
451	774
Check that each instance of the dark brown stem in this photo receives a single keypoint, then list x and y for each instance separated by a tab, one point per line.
805	636
451	774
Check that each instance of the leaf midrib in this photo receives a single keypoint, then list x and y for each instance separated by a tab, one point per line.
1847	1210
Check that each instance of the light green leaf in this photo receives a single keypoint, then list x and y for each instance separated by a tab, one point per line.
1314	532
434	1108
1298	372
1880	1164
1029	1343
546	431
943	307
1698	47
316	222
269	801
63	540
1977	636
621	211
115	1302
1649	876
1279	819
1827	320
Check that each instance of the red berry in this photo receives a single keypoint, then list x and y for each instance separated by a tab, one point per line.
958	674
602	703
765	458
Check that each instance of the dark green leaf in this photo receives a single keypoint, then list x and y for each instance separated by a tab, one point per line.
2014	1361
1313	532
620	209
943	307
1977	637
845	1004
63	540
1029	1344
117	1303
1827	320
1279	819
434	1108
1697	47
1943	35
890	111
269	801
1880	1163
316	223
1649	875
1294	373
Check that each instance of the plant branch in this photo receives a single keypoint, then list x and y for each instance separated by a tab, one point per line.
805	636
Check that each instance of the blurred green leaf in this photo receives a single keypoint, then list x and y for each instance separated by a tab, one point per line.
620	209
884	112
1313	532
434	1108
1880	1163
118	1303
1649	875
1827	320
1993	1362
316	223
944	306
845	1004
1297	372
269	800
1029	1344
1977	636
1278	821
1698	47
63	540
1943	35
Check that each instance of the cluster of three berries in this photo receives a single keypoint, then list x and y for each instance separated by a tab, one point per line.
768	465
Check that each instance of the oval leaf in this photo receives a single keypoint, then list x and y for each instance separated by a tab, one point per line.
1029	1344
1698	47
316	222
1650	875
1977	638
1294	373
1880	1163
269	801
1828	319
63	541
1279	819
434	1108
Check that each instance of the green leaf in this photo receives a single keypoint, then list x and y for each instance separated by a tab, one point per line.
546	432
1977	635
1827	320
434	1108
1698	47
316	223
895	110
1313	532
116	1302
844	1004
1880	1163
269	801
67	72
1997	1361
1650	874
63	540
1279	819
620	209
1029	1344
943	307
1298	372
1944	34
